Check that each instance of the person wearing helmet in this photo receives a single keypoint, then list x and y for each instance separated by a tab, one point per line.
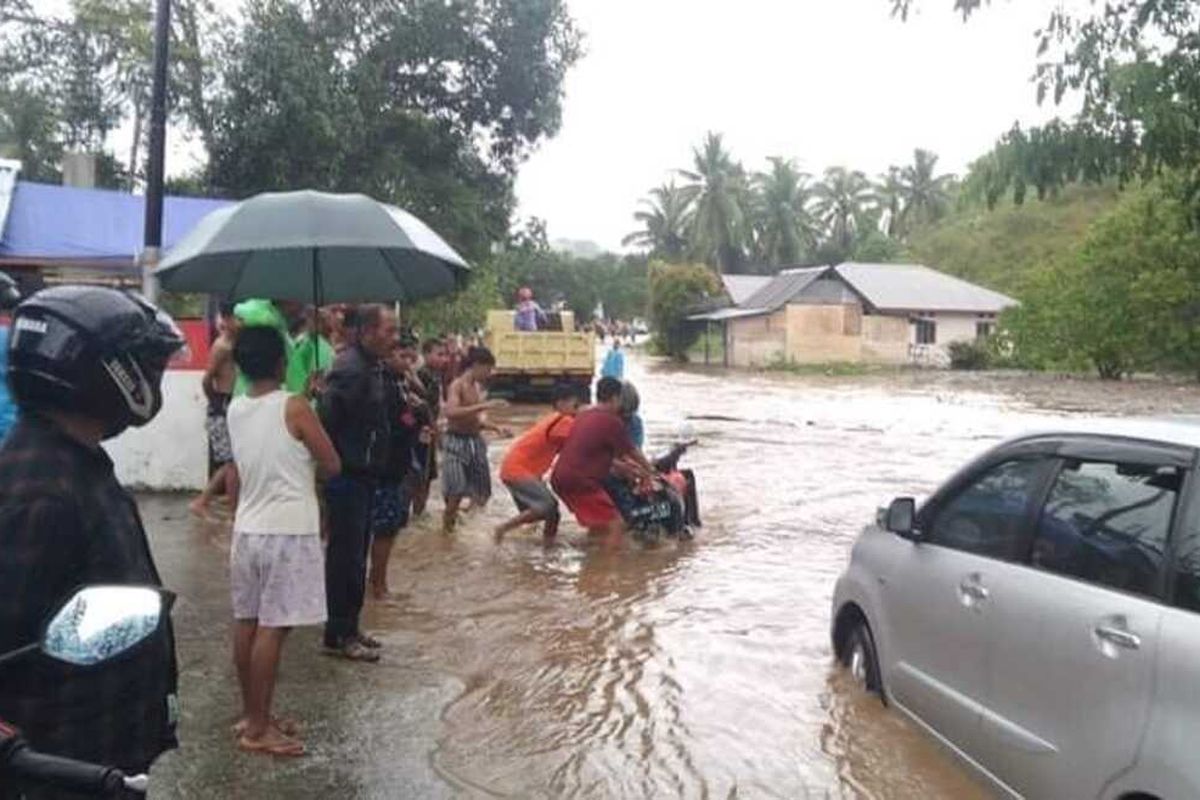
530	316
10	295
84	364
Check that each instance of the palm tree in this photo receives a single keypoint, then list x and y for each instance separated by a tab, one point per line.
926	194
889	201
718	230
783	223
842	198
664	221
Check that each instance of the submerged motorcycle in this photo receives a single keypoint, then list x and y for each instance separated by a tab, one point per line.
97	624
669	508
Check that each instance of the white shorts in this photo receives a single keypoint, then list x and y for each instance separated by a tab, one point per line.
277	579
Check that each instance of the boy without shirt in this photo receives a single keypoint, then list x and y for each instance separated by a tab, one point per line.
465	471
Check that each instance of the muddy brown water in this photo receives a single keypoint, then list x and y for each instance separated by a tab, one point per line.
687	670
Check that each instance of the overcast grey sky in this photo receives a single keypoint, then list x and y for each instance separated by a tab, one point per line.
824	81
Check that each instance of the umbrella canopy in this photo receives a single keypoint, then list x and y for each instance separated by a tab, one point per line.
313	247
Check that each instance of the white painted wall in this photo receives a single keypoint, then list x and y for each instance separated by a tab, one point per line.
172	451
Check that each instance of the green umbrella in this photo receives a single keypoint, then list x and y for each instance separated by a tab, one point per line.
313	247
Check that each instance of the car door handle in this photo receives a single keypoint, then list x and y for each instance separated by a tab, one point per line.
972	590
1118	637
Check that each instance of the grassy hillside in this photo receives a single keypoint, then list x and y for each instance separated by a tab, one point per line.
1000	248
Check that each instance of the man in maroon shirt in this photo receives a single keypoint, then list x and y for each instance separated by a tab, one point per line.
597	439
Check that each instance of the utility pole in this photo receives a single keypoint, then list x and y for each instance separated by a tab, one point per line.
154	163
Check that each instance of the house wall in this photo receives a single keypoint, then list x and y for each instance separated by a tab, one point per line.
886	339
823	333
756	341
953	328
826	290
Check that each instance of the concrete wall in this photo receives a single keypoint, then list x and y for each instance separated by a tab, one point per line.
172	451
823	333
756	341
885	339
953	328
818	332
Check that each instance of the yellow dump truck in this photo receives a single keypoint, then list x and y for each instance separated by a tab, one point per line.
530	364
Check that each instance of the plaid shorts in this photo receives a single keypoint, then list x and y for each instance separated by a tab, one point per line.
220	447
465	468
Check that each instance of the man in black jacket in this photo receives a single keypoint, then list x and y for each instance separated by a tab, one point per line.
354	410
85	363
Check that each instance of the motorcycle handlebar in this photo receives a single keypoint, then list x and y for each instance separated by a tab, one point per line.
63	773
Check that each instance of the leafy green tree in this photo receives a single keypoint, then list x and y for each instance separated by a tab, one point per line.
91	67
29	132
785	230
664	221
677	291
463	312
428	105
926	195
719	231
1128	301
842	200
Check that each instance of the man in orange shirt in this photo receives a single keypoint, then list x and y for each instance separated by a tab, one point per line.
529	459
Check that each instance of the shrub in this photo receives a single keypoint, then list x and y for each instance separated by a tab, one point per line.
677	291
970	355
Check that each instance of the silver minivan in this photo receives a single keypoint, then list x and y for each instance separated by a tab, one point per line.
1040	612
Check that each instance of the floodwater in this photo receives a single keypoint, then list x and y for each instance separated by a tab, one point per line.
689	670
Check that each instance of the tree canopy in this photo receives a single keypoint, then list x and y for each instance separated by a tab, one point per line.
737	220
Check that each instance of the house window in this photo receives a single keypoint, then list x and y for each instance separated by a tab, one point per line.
926	330
984	329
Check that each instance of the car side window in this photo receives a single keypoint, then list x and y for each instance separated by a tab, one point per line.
1186	591
1108	524
989	516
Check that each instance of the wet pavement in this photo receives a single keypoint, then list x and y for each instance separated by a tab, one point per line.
690	670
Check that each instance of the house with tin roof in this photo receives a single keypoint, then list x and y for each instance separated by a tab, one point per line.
872	313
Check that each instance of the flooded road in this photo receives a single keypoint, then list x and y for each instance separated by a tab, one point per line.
694	670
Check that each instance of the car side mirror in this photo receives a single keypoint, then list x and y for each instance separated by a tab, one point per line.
901	517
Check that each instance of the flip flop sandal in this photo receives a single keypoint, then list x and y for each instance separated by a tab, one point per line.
353	651
287	748
369	642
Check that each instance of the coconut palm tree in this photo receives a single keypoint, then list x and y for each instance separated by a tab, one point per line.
718	232
889	201
926	194
842	197
784	228
664	220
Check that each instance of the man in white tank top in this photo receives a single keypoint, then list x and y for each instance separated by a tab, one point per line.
277	570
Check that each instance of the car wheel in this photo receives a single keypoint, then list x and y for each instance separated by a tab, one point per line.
860	660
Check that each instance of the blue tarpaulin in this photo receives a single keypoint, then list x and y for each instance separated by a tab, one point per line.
48	222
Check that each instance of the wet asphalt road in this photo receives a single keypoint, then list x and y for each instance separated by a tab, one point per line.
687	670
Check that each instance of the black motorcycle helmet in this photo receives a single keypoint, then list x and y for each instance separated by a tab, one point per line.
10	293
92	351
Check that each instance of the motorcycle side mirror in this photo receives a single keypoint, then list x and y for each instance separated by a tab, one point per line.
101	622
901	517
